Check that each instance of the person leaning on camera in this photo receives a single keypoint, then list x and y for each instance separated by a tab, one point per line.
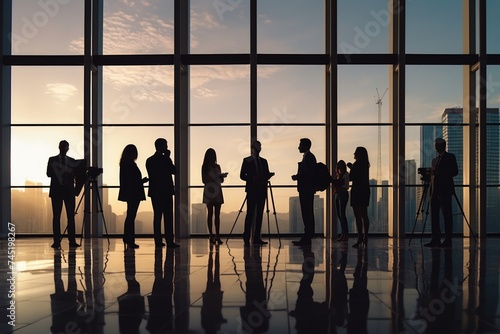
444	168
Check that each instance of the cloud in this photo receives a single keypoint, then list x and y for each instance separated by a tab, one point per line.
61	91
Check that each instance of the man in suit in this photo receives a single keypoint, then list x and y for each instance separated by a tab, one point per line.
61	170
255	172
161	190
444	168
305	187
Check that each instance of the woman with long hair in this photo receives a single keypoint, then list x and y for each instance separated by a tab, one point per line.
360	193
212	178
341	185
131	191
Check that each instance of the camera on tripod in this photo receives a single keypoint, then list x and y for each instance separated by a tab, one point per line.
93	172
425	173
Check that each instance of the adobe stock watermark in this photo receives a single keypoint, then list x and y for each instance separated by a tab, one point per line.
420	319
11	276
31	26
223	6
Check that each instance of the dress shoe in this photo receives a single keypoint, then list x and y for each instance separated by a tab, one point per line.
259	242
246	242
446	243
433	243
159	244
73	244
173	245
56	245
303	242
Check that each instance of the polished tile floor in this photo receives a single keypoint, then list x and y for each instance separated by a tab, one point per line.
387	287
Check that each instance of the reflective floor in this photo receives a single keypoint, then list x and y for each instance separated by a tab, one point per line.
199	288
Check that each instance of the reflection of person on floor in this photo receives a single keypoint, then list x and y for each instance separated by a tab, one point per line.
359	297
310	316
160	300
338	302
64	304
131	306
211	310
254	315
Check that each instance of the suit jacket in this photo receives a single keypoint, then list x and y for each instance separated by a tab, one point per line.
444	168
160	170
131	185
256	176
305	173
61	171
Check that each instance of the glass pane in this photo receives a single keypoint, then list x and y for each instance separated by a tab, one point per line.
231	145
430	90
363	26
138	27
31	211
220	94
434	26
138	94
359	89
50	95
290	26
220	26
492	26
280	148
41	143
283	96
116	138
47	27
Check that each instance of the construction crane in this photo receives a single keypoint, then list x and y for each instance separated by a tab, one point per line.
378	102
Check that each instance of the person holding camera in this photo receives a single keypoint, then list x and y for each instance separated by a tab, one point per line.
444	168
61	170
131	191
255	172
161	189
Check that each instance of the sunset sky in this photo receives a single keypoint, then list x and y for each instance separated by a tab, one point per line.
221	94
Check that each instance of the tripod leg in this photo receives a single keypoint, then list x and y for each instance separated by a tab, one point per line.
420	207
99	203
463	214
237	216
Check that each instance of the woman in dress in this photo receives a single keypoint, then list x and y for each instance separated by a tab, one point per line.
360	193
131	191
212	192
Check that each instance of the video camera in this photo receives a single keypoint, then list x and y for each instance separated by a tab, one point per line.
93	172
425	173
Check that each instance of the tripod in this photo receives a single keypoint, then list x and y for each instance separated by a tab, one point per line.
267	212
422	200
91	180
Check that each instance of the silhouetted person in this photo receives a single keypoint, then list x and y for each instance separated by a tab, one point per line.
131	191
341	186
161	190
61	170
444	168
161	317
211	309
310	316
339	291
254	315
131	306
359	296
305	187
360	193
64	304
255	171
212	178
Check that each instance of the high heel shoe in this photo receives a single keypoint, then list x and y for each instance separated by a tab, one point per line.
341	237
130	245
345	237
358	243
218	241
